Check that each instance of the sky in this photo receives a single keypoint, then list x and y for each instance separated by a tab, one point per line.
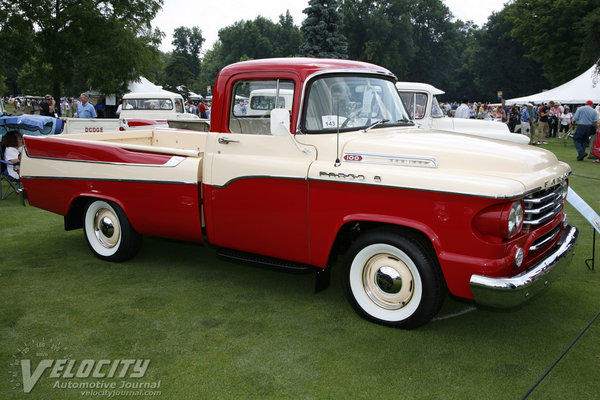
210	16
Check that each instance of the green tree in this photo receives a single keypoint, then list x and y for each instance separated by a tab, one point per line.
108	43
260	38
436	42
496	60
177	72
555	32
188	43
415	39
379	32
322	30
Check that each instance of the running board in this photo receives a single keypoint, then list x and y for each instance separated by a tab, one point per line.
322	274
276	263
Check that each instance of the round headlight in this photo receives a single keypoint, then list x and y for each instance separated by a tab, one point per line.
515	218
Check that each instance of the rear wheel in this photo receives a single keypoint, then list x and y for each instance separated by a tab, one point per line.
393	279
109	233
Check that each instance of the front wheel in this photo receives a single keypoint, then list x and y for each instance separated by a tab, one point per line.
393	280
109	233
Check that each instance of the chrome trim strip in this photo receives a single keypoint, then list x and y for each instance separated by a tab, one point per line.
555	193
172	162
542	243
63	178
395	159
545	217
540	210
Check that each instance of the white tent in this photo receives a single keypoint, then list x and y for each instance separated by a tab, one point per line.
143	85
577	91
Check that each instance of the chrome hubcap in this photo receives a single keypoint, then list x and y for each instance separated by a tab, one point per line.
106	228
388	282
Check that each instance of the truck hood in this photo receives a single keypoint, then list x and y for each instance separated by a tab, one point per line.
475	127
450	162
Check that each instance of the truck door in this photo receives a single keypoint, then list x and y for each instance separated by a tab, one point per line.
255	184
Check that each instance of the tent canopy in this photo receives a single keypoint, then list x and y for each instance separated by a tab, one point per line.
577	91
143	85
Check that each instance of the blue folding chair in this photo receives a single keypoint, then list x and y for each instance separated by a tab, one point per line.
13	186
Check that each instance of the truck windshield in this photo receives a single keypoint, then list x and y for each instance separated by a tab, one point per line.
352	102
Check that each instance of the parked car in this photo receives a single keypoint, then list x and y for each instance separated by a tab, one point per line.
425	110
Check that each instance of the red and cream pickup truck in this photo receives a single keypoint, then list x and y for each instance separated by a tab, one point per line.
343	173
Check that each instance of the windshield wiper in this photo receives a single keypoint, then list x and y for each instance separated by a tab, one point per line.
373	125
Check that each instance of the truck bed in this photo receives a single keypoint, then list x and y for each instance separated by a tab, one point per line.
141	171
158	140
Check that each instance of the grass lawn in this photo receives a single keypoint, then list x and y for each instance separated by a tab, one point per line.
214	329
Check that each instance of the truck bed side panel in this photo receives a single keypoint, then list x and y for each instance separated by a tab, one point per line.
158	192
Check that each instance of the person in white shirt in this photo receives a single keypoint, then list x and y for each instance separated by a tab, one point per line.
566	119
13	145
463	110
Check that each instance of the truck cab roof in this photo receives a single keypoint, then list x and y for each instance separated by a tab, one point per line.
303	67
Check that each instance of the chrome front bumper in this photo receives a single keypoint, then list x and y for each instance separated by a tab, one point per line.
510	292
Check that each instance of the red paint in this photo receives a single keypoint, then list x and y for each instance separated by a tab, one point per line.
446	219
155	209
66	149
139	122
266	216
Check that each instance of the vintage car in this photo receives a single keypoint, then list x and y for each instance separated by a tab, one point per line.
426	112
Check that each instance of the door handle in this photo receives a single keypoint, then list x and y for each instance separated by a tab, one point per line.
224	140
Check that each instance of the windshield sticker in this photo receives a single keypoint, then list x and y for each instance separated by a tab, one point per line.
330	121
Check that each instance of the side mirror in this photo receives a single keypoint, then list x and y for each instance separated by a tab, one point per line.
280	122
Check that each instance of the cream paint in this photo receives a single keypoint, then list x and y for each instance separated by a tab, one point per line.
465	165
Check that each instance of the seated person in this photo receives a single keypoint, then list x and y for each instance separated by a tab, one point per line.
12	143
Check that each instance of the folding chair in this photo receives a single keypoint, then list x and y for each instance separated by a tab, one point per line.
13	186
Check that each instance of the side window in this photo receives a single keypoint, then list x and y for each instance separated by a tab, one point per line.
408	99
416	103
179	105
420	105
252	102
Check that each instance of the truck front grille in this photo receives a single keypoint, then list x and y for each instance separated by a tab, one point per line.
543	205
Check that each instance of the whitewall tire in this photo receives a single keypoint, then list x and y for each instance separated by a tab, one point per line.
108	231
393	279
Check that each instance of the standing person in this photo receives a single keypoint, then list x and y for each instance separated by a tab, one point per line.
463	110
505	112
66	107
48	106
100	108
544	113
566	119
85	109
202	109
526	120
586	119
514	118
553	118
